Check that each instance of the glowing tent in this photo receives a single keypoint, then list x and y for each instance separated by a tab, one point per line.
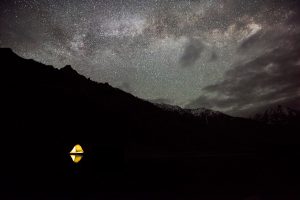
76	153
76	149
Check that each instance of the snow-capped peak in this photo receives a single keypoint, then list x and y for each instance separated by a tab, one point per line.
198	112
277	115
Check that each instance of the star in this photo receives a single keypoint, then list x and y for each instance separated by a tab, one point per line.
156	49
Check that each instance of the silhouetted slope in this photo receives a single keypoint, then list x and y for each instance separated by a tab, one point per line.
73	105
81	109
46	111
65	105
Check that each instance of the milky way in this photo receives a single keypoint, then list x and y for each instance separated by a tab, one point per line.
233	56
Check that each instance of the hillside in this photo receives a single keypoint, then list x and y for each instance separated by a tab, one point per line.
129	143
62	104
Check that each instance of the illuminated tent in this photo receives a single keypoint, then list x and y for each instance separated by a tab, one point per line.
76	153
76	149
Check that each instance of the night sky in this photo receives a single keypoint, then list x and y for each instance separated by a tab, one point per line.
229	55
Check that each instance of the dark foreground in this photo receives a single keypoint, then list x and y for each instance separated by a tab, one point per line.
237	176
133	149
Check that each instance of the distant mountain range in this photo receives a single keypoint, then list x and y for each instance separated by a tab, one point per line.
273	115
278	115
205	115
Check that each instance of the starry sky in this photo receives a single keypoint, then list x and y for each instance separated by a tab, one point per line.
235	56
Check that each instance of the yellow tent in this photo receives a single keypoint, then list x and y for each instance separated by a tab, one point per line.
76	149
76	153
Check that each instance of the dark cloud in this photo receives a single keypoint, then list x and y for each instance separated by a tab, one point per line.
192	53
270	78
213	56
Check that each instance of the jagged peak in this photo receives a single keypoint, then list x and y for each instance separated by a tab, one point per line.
197	112
279	109
69	69
276	114
205	111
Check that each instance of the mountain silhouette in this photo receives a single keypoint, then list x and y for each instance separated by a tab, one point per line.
76	104
278	115
39	96
205	115
46	111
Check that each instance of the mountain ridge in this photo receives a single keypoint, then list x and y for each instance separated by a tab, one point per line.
64	107
202	113
79	83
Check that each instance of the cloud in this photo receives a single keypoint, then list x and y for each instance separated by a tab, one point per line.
192	53
272	77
